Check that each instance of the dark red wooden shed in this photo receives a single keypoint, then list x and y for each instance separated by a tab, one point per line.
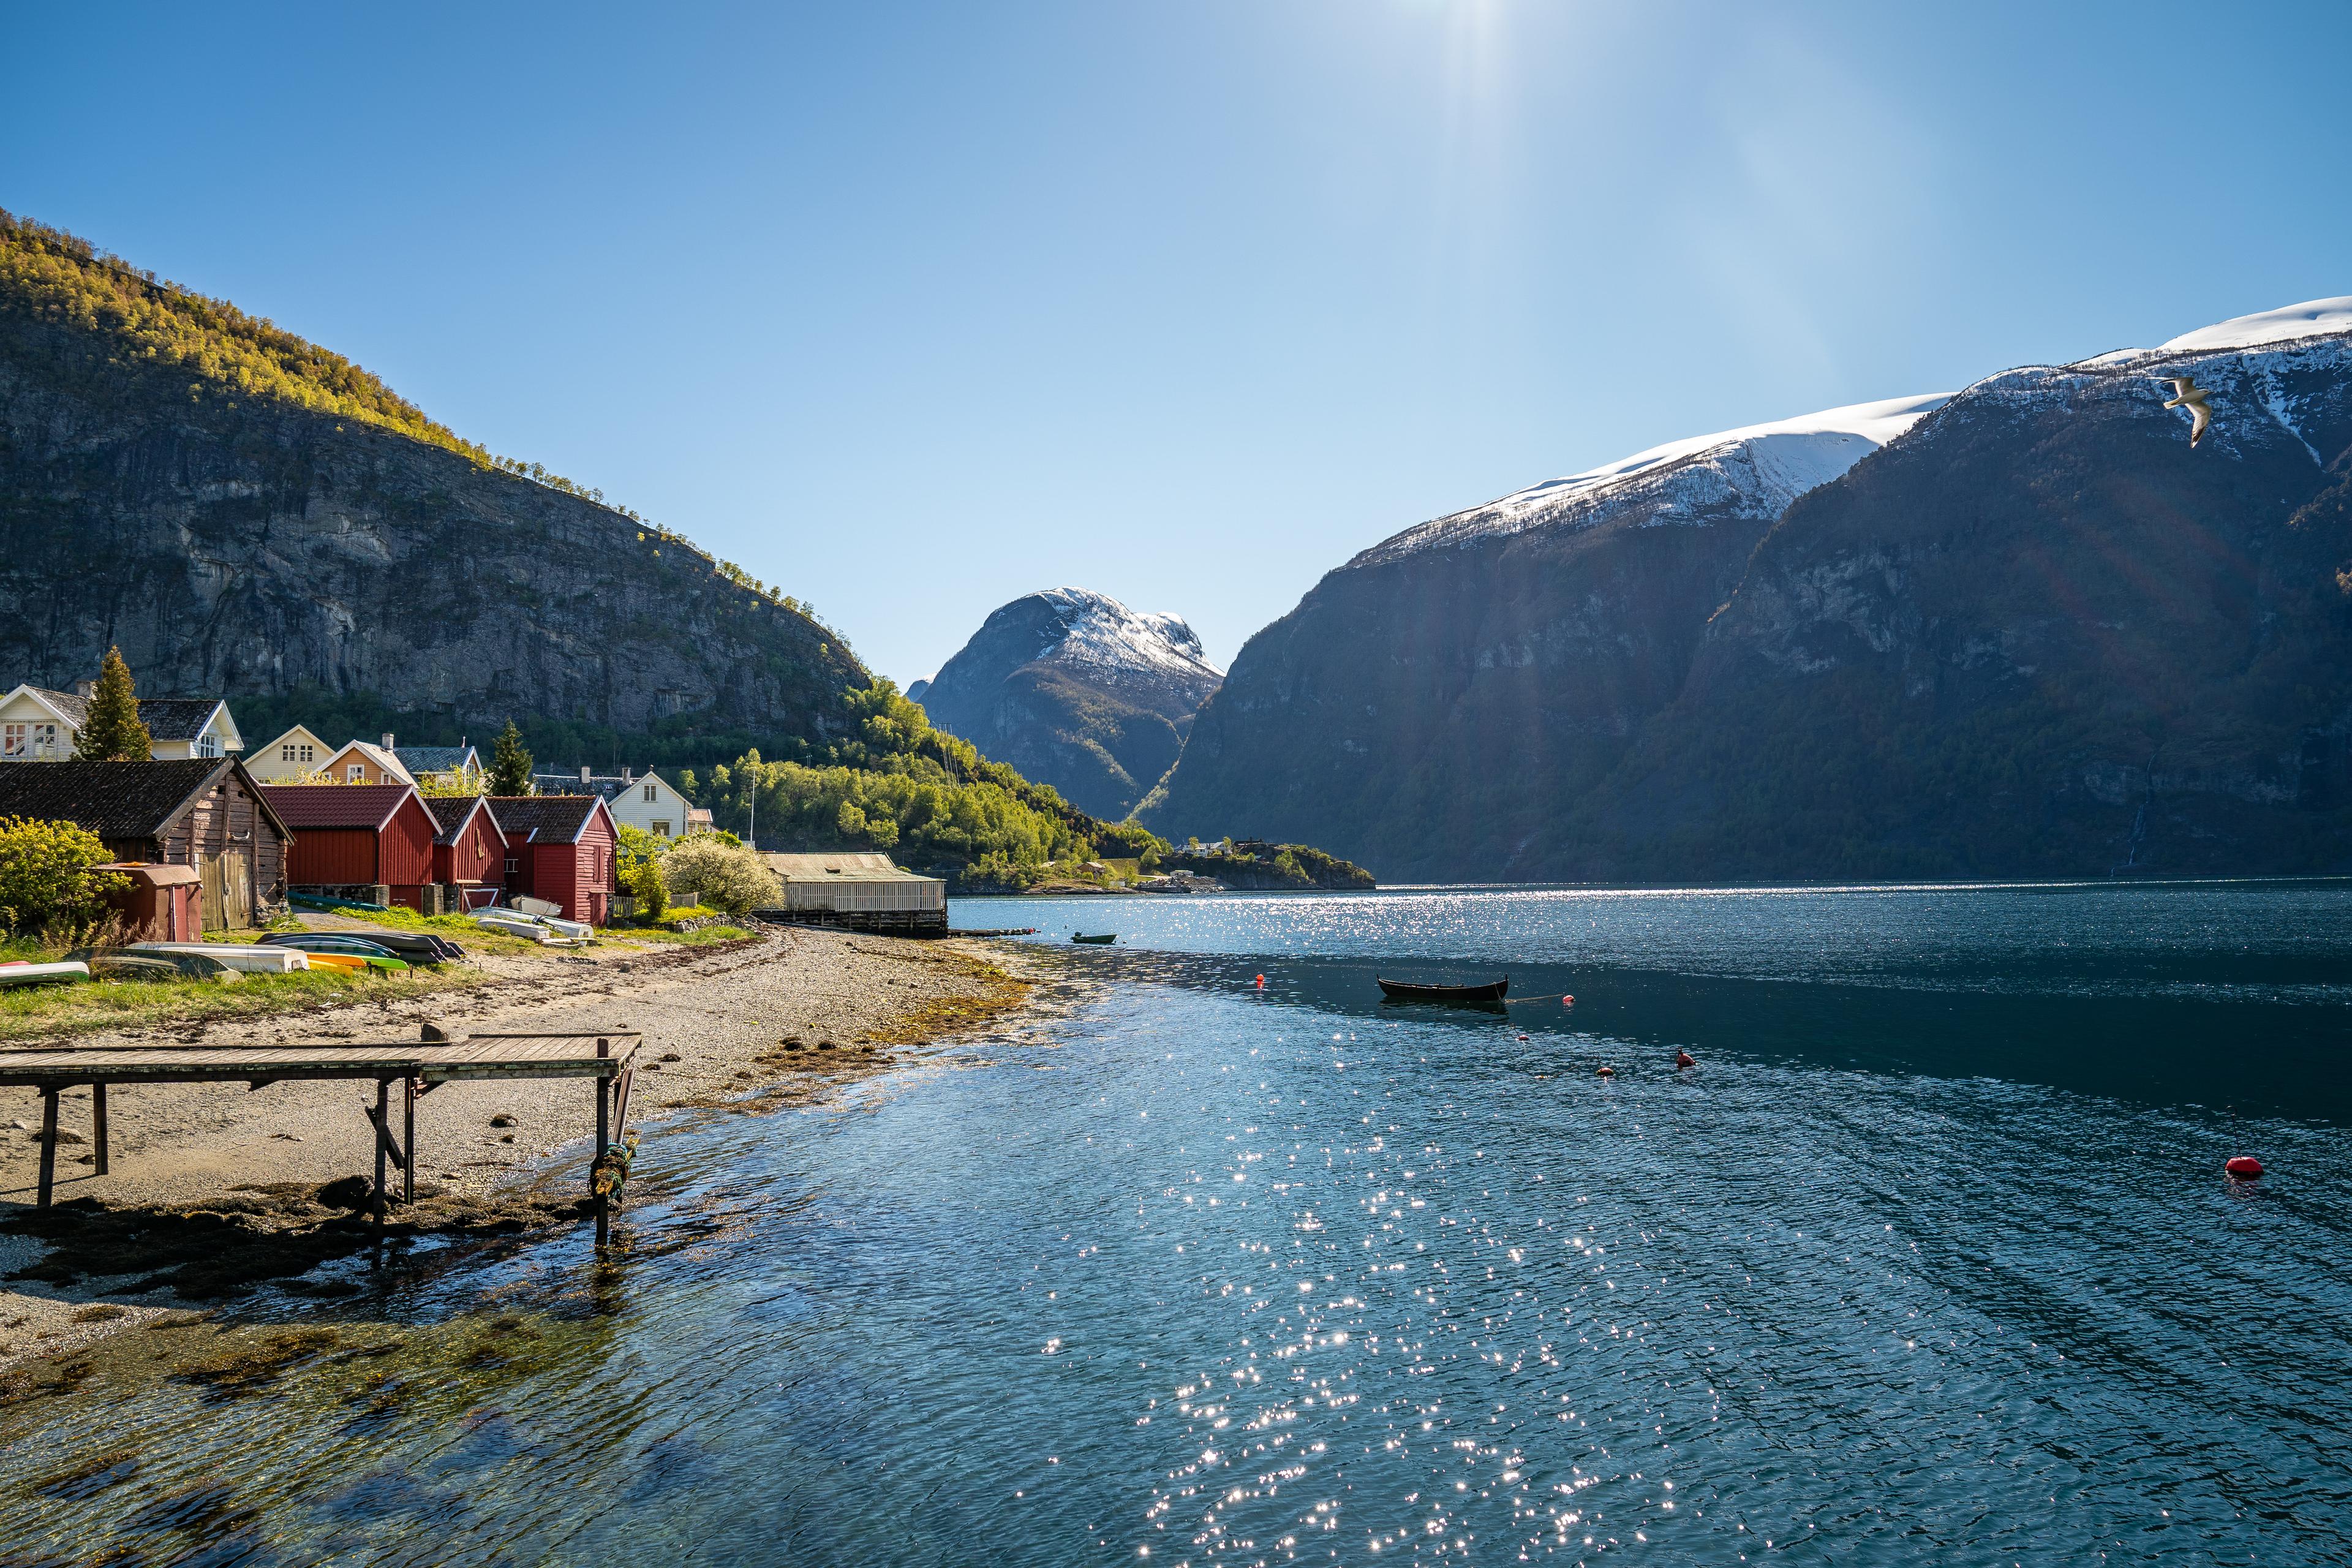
355	836
470	851
560	847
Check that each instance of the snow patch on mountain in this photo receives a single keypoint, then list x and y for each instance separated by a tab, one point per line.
2311	319
1096	631
1757	469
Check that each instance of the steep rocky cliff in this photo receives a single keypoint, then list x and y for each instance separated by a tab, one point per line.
1431	705
251	517
1075	690
2038	634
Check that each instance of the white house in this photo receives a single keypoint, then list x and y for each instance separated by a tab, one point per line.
39	725
292	754
646	802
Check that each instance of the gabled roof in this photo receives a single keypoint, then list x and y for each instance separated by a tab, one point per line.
181	717
301	732
166	718
372	806
549	818
70	709
452	812
422	760
386	763
119	800
605	786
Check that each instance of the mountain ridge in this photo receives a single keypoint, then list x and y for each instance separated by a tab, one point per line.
1613	699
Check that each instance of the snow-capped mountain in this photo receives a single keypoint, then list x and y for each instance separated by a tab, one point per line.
1075	690
2026	629
1756	470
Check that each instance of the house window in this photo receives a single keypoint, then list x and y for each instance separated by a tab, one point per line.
356	772
661	828
208	745
514	867
652	794
29	740
308	756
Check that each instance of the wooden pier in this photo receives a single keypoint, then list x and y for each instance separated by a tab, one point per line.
418	1066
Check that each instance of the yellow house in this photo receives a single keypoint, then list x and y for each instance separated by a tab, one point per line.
289	757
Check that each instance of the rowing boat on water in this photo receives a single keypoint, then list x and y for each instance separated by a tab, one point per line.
1490	993
1103	940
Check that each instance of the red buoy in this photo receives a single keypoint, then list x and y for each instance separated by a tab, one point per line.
1608	1072
1522	1036
1683	1059
2244	1166
1567	1001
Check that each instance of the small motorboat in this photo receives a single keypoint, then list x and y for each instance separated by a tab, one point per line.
1490	994
20	972
1103	940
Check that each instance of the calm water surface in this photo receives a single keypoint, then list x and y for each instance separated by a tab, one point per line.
1928	1260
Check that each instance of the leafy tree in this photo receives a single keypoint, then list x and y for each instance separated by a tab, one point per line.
510	763
48	885
112	733
458	782
718	876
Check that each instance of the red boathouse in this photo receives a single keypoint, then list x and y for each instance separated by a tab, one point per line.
560	847
470	851
351	837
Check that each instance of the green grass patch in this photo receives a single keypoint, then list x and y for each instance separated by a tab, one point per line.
96	1006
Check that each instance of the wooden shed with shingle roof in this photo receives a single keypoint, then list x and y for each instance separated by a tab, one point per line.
205	813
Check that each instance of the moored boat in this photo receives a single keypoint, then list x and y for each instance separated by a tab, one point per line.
1487	994
1103	940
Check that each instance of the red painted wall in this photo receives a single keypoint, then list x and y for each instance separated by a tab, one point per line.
478	854
332	856
405	847
577	877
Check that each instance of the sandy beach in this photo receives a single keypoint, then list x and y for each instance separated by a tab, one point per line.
200	1171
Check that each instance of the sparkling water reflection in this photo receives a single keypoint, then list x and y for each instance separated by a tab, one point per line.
1207	1275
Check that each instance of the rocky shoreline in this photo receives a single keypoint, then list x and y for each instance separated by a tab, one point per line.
214	1188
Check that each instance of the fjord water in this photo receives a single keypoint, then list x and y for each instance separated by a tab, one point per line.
1929	1260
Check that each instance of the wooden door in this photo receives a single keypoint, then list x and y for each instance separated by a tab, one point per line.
236	891
211	877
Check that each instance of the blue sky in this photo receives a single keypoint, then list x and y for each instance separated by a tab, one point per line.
911	309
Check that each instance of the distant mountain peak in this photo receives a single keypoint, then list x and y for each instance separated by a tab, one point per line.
1077	690
1082	626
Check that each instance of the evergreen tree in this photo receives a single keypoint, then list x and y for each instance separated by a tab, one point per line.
112	733
510	764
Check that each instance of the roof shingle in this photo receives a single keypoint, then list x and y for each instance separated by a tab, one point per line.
544	818
113	800
335	805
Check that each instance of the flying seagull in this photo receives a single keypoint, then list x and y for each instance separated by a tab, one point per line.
2186	393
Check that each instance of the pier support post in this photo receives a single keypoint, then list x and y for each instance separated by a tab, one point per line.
98	1123
604	1141
48	1141
382	1111
408	1142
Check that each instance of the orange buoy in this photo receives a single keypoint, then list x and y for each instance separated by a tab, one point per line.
1261	982
1683	1059
1608	1072
2244	1166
